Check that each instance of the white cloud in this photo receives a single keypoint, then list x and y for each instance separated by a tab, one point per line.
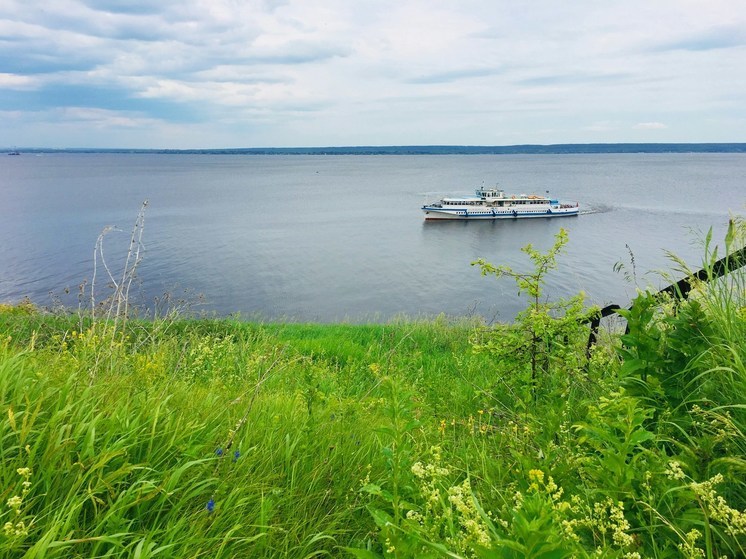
650	126
387	71
16	81
103	119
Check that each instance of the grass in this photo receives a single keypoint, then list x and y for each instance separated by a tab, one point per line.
180	437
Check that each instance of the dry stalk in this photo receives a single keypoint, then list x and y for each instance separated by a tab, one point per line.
118	302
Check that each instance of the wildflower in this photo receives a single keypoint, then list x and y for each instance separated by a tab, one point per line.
418	470
646	484
619	525
15	530
689	548
536	477
674	471
568	527
210	505
553	490
218	451
415	516
18	528
236	455
717	507
366	479
15	503
460	498
518	499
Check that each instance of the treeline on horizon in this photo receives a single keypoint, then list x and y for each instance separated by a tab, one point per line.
527	149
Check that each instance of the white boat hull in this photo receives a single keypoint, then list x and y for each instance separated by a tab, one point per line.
482	213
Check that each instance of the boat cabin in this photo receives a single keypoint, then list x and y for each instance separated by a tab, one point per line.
490	193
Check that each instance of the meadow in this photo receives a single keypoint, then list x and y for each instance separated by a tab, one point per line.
189	437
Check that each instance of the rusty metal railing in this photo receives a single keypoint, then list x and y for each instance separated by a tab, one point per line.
678	290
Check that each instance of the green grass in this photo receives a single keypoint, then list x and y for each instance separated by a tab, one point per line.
410	439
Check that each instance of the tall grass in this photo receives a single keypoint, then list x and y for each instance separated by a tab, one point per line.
217	438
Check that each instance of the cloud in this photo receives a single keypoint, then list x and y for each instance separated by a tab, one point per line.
454	75
136	7
100	118
719	37
575	79
375	72
17	82
649	126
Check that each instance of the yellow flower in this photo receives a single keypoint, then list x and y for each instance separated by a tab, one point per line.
536	476
15	503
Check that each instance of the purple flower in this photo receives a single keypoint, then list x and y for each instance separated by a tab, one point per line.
236	455
210	505
219	451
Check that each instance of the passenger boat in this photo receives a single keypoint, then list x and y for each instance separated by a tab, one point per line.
493	203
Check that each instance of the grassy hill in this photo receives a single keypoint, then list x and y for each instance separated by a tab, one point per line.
181	437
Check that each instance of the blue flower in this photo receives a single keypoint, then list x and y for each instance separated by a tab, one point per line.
219	451
236	455
210	505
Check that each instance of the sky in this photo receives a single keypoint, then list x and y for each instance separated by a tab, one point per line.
188	74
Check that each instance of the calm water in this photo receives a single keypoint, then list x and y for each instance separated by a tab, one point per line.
329	238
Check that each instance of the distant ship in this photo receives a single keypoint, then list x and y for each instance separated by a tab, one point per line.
493	203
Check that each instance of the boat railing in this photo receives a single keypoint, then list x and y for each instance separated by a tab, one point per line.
679	290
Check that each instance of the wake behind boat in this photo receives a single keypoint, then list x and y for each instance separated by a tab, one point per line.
493	203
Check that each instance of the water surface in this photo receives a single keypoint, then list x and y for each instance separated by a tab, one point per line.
330	238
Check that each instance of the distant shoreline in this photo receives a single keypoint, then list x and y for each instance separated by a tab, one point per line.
527	149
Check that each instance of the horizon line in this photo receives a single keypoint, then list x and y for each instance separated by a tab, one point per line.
607	147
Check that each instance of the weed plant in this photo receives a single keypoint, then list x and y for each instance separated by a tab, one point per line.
180	437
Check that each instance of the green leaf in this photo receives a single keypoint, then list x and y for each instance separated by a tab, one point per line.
641	436
381	518
371	489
